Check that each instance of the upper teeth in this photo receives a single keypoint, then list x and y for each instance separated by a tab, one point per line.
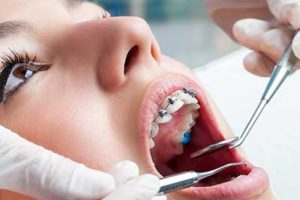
186	97
190	92
154	129
163	117
171	105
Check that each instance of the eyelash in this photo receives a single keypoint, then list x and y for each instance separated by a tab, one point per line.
11	61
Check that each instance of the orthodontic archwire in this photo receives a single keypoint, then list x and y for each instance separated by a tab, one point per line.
171	100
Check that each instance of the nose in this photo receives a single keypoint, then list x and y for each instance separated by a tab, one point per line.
113	47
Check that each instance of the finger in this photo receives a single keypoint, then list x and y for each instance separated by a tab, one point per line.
274	42
286	11
296	45
259	64
248	31
144	187
30	169
124	171
258	35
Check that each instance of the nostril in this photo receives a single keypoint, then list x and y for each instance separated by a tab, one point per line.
131	56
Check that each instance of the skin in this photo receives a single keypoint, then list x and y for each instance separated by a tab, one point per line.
82	102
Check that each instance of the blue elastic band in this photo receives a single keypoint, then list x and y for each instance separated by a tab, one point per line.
186	138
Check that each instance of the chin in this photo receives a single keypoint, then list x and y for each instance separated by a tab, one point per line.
176	118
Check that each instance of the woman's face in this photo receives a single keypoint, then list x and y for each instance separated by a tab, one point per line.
91	88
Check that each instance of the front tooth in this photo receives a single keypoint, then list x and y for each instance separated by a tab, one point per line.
166	102
154	129
163	117
186	98
151	144
174	105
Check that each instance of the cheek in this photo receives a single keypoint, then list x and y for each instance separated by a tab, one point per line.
62	121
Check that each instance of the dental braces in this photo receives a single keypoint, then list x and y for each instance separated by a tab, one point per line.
172	100
190	92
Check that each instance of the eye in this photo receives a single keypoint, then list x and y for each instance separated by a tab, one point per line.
19	75
22	72
17	69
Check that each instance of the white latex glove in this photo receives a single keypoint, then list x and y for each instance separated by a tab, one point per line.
32	170
269	39
133	187
226	12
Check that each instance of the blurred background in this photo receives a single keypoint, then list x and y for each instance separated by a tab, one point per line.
182	28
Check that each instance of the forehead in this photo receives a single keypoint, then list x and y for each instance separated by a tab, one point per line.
44	14
29	9
15	9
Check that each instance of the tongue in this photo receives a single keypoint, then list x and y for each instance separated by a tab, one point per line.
168	141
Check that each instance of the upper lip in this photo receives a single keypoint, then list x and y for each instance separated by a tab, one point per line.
241	188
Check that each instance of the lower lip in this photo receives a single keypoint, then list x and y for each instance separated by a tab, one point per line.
242	187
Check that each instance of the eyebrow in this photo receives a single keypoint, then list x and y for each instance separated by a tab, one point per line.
71	4
11	28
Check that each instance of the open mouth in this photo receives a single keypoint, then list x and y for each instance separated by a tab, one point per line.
177	120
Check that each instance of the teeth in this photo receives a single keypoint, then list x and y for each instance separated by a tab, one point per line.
151	143
188	122
174	105
186	98
196	106
163	117
190	92
167	101
154	129
191	108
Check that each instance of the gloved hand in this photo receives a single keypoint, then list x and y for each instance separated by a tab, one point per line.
267	35
226	13
269	39
32	170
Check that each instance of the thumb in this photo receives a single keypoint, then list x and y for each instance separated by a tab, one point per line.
143	187
124	171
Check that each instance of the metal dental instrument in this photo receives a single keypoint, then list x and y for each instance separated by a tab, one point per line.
188	179
282	69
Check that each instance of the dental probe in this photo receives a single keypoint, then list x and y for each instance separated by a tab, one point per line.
282	69
188	179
